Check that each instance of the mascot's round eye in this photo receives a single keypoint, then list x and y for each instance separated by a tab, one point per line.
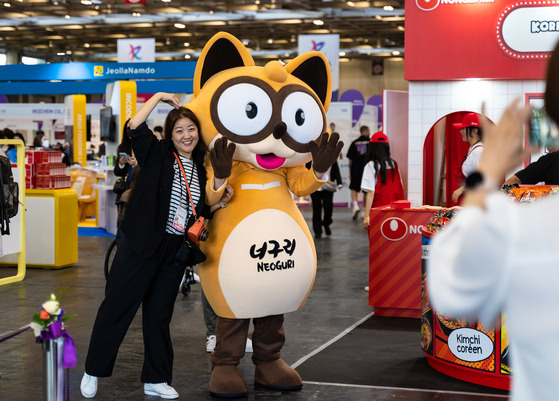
244	109
303	117
251	110
300	117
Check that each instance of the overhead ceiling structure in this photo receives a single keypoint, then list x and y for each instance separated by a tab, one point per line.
87	30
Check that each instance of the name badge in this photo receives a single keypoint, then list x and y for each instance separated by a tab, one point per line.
180	218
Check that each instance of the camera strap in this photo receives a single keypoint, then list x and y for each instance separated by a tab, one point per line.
186	182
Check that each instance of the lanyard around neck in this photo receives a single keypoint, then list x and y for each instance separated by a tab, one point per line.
186	182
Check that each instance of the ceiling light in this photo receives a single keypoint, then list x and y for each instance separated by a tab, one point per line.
7	5
395	53
401	28
350	3
211	12
378	17
86	2
67	16
136	14
318	22
187	56
86	45
179	25
388	8
60	54
186	44
270	41
68	52
257	2
341	54
166	1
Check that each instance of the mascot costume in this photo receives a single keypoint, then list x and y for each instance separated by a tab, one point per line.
261	124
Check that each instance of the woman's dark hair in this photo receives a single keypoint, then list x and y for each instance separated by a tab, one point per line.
551	97
479	132
38	138
379	153
126	145
199	152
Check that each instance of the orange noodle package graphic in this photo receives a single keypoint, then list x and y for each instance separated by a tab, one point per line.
461	348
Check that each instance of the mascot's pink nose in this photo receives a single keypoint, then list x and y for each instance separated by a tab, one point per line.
279	130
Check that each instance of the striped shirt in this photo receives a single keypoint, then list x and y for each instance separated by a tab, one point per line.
179	194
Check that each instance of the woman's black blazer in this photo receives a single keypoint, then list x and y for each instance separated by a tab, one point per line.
148	210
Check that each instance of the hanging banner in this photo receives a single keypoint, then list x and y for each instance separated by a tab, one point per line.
136	50
330	46
127	103
76	127
492	39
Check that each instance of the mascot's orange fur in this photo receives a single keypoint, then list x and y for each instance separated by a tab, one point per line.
266	122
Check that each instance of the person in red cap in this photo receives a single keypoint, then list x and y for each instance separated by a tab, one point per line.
381	177
470	129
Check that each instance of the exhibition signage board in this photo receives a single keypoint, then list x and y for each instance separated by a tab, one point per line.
98	71
127	103
76	119
492	39
136	50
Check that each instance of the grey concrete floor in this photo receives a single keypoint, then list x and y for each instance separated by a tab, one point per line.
336	302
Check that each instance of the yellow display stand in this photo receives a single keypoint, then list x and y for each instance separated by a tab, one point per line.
51	228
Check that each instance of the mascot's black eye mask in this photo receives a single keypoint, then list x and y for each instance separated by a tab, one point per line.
248	110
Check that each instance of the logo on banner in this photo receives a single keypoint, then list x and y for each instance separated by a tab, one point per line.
134	51
528	30
430	5
427	5
317	46
97	70
396	229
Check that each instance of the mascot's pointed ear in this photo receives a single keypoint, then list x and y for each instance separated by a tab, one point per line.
223	51
313	69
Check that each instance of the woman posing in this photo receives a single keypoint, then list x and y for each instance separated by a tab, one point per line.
145	269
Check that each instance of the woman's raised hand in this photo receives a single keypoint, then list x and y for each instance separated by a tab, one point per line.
169	98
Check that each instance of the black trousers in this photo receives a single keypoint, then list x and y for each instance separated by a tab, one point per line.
320	200
133	280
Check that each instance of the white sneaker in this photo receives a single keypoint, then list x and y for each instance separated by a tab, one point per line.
162	390
248	347
210	343
356	211
88	386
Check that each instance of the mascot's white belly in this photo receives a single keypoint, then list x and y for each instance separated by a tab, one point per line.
266	263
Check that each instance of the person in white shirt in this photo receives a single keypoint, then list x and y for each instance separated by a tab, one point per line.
471	131
499	256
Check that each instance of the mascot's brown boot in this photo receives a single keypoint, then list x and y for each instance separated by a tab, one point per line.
271	371
231	337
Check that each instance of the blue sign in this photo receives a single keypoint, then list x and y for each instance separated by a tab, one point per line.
98	71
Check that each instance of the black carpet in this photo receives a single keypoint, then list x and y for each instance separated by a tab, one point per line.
386	352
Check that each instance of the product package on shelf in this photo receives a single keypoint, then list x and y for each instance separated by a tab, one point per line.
45	170
529	193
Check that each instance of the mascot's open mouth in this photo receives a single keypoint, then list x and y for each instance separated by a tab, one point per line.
269	161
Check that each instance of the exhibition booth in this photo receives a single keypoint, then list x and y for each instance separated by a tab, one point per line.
508	61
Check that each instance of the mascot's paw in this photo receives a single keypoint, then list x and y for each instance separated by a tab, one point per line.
226	382
277	375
